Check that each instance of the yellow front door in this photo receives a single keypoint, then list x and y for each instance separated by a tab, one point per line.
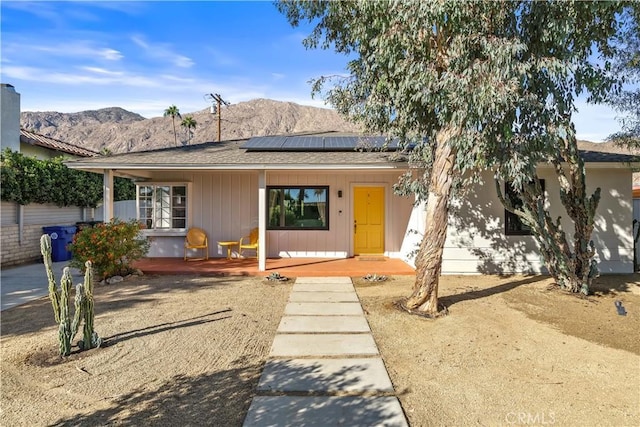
368	220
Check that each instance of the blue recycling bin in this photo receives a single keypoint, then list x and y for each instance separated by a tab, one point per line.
61	237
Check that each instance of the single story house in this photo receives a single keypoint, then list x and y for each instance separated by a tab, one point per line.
320	196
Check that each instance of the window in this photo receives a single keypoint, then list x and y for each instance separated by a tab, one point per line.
513	226
162	206
298	208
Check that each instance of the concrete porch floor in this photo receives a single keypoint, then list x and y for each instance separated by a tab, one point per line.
289	267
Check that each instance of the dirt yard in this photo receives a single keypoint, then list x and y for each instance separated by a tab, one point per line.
188	350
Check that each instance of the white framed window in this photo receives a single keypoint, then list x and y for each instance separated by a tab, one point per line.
163	206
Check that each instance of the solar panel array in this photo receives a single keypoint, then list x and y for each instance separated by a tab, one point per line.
319	143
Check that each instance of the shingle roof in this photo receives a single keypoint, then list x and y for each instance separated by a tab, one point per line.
229	155
603	157
33	138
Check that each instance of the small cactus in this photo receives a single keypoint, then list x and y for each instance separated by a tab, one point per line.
83	303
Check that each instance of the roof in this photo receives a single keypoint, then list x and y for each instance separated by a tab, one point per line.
603	157
242	155
33	138
230	155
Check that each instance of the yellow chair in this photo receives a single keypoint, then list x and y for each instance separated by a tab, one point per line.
196	238
249	242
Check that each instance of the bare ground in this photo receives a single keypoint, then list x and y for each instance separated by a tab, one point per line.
189	351
512	351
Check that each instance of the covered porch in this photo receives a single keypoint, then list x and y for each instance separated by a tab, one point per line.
289	267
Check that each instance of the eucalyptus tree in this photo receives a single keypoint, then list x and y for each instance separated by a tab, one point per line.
627	62
189	123
465	82
173	112
577	42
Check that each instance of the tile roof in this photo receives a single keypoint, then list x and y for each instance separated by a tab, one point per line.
33	138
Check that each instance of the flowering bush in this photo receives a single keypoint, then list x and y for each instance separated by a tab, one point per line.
111	247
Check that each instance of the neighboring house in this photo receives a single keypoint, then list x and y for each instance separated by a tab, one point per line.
21	226
317	196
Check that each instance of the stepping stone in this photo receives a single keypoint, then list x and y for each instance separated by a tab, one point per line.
324	308
323	280
297	345
323	324
325	411
325	375
322	287
323	297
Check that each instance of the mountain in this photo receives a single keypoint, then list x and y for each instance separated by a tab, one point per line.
119	130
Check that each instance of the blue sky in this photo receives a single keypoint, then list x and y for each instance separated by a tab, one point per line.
144	56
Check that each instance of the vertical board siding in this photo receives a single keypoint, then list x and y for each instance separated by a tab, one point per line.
337	242
225	205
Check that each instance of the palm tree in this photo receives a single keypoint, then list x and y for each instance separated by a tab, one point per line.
189	123
174	112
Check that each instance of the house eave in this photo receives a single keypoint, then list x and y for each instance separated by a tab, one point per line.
99	168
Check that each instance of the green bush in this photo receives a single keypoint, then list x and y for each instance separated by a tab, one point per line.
26	180
111	247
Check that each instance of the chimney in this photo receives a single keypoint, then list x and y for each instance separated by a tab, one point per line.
10	118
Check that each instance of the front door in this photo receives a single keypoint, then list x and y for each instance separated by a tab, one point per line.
368	220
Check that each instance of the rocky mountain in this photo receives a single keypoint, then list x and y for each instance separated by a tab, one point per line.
120	131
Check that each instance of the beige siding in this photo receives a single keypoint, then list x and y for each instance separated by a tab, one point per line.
225	205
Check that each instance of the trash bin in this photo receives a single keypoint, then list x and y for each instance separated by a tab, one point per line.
61	237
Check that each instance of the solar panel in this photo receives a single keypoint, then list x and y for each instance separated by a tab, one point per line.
339	143
265	143
303	143
320	143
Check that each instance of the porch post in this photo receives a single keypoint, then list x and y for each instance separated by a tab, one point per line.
107	201
262	220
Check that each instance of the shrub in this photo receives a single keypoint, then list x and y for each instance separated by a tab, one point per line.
111	247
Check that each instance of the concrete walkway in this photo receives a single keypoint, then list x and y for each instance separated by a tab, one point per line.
19	285
324	367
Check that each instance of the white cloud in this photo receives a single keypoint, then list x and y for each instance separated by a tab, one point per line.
111	54
102	71
162	51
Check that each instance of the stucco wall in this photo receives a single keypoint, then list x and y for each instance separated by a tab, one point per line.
476	242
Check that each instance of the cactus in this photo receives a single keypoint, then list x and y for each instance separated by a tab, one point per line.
90	338
83	303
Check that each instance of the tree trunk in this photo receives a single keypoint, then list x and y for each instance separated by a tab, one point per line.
175	135
424	299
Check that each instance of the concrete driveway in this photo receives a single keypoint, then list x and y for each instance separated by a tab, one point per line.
25	283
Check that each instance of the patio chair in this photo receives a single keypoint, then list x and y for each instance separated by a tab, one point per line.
196	238
249	242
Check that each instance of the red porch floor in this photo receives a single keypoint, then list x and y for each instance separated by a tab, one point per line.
290	267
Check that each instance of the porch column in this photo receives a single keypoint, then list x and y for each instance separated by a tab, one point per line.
107	201
262	220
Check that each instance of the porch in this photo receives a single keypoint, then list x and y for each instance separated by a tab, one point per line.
289	267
